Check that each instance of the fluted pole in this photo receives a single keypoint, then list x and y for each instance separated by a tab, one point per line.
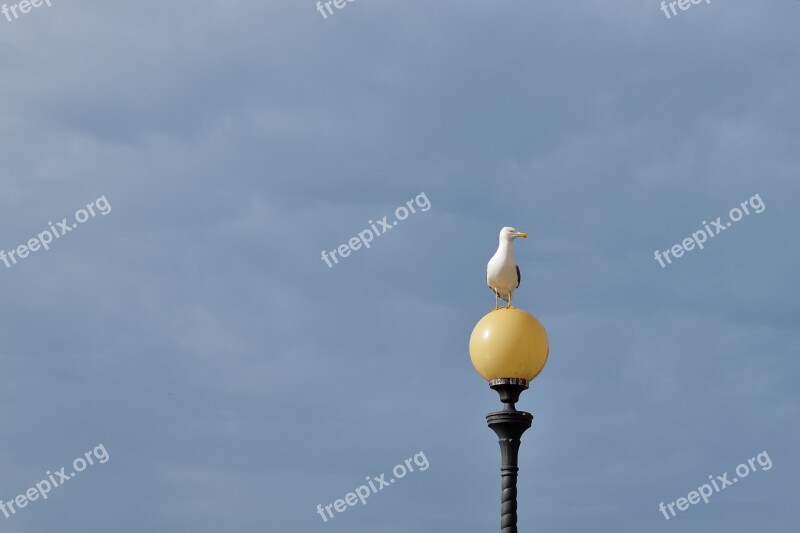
509	425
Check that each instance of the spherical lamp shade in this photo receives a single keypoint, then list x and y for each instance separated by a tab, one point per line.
508	343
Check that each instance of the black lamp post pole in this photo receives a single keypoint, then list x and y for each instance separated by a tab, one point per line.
509	424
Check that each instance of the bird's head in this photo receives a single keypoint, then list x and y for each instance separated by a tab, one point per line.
509	234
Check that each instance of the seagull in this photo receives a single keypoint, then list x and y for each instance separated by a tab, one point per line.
502	272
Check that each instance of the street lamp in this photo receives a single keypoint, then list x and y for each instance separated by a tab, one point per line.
509	348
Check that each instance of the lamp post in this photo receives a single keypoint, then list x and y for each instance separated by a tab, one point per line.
509	348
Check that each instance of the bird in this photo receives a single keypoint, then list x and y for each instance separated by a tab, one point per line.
502	271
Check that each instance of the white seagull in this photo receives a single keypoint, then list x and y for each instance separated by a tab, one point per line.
502	272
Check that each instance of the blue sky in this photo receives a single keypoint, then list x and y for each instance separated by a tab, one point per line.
237	381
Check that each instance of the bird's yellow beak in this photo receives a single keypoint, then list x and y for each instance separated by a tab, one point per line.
521	234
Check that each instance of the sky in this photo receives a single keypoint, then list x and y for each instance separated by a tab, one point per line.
190	161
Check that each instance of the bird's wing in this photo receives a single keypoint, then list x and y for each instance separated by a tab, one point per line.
519	276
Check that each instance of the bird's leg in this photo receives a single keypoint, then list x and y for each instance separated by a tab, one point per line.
509	301
496	296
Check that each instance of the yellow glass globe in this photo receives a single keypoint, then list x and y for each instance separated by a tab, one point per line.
508	343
